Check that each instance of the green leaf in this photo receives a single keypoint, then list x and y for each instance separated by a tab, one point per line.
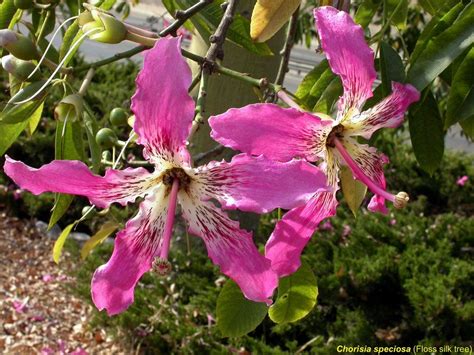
442	49
15	113
398	18
34	120
10	133
207	20
59	244
69	147
68	38
107	229
236	315
297	294
461	96
303	93
329	97
468	127
366	12
391	68
353	190
426	132
7	10
434	7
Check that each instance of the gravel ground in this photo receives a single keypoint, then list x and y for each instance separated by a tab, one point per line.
38	312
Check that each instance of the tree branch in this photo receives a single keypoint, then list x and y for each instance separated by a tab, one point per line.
183	16
290	41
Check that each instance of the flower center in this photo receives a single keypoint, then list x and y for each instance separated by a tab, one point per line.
179	174
336	132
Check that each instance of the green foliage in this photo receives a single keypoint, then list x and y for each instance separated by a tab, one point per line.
236	315
297	295
400	279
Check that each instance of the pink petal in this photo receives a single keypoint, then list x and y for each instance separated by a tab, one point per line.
388	113
74	178
462	180
163	108
231	248
258	184
348	55
278	133
135	248
295	229
371	162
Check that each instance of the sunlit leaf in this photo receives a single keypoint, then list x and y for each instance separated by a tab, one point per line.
297	294
269	16
102	234
7	11
366	11
441	50
34	120
59	244
426	132
353	190
236	315
461	96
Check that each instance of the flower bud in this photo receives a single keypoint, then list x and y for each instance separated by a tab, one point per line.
401	200
106	138
118	117
70	107
107	28
18	45
23	4
20	69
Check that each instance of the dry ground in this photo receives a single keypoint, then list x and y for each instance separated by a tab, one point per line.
39	314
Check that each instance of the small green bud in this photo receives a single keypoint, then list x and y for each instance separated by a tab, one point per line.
18	45
86	210
108	28
71	107
106	138
23	4
118	116
20	69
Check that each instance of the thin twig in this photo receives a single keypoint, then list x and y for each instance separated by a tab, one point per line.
183	16
290	41
212	153
114	58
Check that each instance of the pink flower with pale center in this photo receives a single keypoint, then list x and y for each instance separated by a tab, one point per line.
462	180
20	306
282	134
164	114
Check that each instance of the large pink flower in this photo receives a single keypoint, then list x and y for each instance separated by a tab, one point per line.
283	134
164	113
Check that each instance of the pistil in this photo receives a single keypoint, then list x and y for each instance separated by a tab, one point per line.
161	265
399	200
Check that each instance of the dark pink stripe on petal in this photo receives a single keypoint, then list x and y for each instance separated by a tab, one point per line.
295	229
388	113
162	106
257	184
348	54
74	178
231	248
136	246
278	133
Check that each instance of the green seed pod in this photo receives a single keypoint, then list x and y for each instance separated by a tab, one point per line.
20	69
18	45
70	107
90	214
106	28
23	4
106	138
118	117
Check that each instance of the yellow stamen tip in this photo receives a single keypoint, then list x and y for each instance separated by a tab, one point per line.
401	200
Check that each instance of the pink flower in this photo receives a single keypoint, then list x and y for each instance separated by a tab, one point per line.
393	221
462	180
346	230
164	113
20	306
326	226
282	134
47	278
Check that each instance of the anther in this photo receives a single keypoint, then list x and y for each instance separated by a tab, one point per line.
401	200
161	266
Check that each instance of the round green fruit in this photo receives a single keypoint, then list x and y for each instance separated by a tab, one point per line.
106	138
118	117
